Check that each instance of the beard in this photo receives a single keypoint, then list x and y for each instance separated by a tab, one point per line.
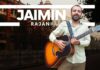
76	17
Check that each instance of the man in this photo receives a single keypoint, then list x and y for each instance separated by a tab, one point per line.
77	61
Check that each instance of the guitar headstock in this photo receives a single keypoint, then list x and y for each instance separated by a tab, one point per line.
96	28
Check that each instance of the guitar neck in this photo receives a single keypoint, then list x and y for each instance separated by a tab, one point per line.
84	34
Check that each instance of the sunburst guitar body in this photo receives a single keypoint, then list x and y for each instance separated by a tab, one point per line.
54	56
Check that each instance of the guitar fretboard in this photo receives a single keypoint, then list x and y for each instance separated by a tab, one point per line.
84	34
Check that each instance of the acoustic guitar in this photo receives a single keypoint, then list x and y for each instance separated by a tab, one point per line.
54	56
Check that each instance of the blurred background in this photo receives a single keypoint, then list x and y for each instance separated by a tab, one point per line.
22	48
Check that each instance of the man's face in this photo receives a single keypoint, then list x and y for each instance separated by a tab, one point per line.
76	13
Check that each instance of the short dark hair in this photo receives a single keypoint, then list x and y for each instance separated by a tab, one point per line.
77	6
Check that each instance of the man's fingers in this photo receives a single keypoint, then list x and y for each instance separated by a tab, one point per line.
61	46
75	41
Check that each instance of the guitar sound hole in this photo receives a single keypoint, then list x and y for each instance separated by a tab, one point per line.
58	54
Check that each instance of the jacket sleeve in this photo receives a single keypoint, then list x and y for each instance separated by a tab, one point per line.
86	40
56	33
